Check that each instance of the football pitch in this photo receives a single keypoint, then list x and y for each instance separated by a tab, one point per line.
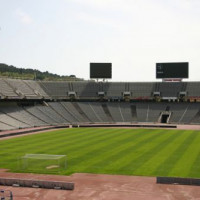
146	152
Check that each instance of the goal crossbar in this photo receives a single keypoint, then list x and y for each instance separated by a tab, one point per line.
44	156
45	161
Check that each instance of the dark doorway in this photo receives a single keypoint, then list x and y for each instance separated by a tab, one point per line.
164	118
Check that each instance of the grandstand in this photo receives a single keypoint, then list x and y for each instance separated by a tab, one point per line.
26	104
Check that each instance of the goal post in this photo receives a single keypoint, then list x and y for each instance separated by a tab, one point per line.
43	162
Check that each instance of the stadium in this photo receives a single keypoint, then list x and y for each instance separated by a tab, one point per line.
93	132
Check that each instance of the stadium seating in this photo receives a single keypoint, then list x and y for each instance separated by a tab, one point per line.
127	112
34	85
170	89
35	111
28	103
141	90
89	111
4	127
11	121
55	89
193	89
6	90
114	89
59	113
62	111
86	89
21	88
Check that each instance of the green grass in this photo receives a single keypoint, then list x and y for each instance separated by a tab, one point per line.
145	152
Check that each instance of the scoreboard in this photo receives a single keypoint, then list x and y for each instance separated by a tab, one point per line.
101	70
172	70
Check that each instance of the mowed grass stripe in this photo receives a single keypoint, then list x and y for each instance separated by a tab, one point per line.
37	147
195	168
72	151
113	151
122	148
97	137
186	161
54	140
89	148
61	143
38	138
117	160
151	165
86	140
195	165
167	166
98	154
148	150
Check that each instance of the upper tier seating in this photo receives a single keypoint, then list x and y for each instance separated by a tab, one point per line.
29	89
86	89
193	89
35	86
6	90
170	89
114	89
141	90
56	89
21	88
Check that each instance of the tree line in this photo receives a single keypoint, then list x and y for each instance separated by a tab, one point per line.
10	71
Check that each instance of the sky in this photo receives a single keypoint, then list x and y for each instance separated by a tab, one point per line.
64	36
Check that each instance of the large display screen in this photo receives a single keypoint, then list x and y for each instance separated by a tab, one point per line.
100	70
172	70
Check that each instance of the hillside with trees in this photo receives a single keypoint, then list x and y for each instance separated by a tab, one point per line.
9	71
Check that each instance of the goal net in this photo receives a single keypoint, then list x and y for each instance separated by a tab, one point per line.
43	163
